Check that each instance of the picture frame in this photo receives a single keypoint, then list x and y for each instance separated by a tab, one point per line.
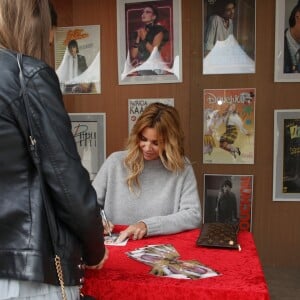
159	26
89	130
231	205
286	66
137	106
229	126
78	59
286	155
229	37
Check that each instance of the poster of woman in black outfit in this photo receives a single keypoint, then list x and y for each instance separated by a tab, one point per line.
149	29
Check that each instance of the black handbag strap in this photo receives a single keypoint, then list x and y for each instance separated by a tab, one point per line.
24	97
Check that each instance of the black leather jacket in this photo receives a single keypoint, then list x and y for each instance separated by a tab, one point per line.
25	246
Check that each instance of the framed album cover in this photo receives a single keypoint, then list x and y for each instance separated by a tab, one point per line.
229	126
149	41
228	199
229	36
89	130
77	59
137	106
286	159
287	49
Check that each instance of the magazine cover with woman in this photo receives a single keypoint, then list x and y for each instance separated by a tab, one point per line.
228	126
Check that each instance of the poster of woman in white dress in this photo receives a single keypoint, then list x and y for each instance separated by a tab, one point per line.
229	36
77	59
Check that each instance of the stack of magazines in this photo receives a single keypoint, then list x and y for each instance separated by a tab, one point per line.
165	261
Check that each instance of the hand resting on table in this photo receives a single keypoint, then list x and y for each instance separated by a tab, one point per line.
137	231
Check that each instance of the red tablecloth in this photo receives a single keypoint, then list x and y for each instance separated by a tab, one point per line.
124	278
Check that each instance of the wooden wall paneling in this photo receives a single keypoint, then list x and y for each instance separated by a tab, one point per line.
275	222
262	213
196	95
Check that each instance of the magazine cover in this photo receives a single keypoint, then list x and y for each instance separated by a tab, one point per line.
229	126
164	260
89	131
228	36
228	199
137	106
291	156
151	254
286	155
77	59
149	41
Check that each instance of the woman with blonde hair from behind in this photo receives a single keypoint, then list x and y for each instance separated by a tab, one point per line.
27	268
150	187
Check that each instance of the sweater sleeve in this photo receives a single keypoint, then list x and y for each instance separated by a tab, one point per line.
100	181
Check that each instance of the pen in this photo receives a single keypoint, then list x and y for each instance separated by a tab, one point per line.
103	215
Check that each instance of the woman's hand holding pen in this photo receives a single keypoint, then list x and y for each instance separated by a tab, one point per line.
137	231
108	227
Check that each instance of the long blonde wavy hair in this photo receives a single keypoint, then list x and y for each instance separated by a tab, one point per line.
25	27
165	120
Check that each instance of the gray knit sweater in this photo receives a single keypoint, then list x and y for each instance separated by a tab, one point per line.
167	202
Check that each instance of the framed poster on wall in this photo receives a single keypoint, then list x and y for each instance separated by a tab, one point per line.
228	199
286	159
287	47
228	36
89	130
137	106
77	59
229	126
149	41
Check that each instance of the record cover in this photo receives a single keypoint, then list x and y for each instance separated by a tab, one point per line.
137	106
77	59
291	156
228	199
164	260
228	126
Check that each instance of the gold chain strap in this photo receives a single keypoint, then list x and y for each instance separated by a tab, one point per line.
60	276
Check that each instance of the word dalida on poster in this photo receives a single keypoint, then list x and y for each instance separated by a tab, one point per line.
229	126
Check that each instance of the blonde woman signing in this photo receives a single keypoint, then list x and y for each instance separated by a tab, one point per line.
151	186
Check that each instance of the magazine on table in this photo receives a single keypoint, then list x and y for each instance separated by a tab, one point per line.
165	262
112	240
